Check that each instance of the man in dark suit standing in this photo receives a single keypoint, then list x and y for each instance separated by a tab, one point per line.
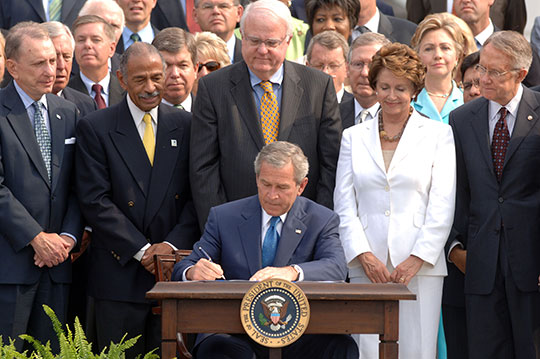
169	13
40	221
138	26
278	235
498	203
243	106
133	187
94	47
14	11
371	19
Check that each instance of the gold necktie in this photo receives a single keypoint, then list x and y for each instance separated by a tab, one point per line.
269	113
149	140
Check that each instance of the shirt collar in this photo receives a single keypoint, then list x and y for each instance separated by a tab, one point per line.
266	217
340	94
138	114
276	78
104	83
231	43
186	104
146	34
373	23
27	100
512	106
483	36
372	110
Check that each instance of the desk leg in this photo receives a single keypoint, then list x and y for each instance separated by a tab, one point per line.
275	353
168	329
388	347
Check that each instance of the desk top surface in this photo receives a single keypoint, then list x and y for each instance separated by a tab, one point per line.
313	290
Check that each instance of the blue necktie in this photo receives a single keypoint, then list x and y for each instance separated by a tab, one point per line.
271	240
42	136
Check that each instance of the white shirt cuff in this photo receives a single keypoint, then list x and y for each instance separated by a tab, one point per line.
454	243
138	256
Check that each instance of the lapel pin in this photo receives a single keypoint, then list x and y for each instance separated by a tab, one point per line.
173	143
297	231
529	118
58	116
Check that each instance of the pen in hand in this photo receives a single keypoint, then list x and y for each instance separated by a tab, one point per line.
209	259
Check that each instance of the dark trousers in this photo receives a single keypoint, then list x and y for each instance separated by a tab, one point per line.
114	319
225	346
501	324
455	332
21	310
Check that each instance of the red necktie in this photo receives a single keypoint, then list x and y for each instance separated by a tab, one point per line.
499	143
99	99
193	27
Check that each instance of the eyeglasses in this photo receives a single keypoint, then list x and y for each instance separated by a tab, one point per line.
494	74
268	43
330	67
210	66
221	6
467	86
359	65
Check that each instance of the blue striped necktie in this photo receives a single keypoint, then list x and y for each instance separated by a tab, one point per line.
271	240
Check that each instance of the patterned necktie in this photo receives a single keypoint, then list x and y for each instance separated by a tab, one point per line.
269	113
100	101
179	106
361	117
42	136
270	243
55	10
135	37
149	140
499	143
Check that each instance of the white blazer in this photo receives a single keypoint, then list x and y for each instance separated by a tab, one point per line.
408	210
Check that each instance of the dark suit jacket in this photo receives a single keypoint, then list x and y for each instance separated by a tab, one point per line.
28	203
309	238
483	203
396	29
346	110
84	103
417	10
116	92
238	50
120	46
15	11
127	202
168	13
226	133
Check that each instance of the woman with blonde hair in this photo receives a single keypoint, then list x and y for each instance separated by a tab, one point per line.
441	44
395	196
211	55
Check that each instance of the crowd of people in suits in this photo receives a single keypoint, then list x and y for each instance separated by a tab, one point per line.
305	140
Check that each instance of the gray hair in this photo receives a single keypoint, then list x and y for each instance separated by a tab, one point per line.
25	29
367	39
108	30
173	40
56	29
276	7
95	7
280	153
514	45
197	2
330	40
138	49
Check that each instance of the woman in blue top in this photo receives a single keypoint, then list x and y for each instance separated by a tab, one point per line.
439	42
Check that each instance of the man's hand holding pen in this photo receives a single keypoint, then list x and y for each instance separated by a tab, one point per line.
204	270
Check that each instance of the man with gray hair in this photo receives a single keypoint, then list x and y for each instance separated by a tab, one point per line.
64	43
40	220
242	107
498	203
133	187
180	54
282	235
326	52
363	106
110	11
94	47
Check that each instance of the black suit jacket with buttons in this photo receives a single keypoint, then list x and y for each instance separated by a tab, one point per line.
129	203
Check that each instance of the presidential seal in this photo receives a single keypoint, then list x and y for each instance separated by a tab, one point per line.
274	313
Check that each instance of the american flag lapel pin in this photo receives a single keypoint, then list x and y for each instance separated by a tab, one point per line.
174	143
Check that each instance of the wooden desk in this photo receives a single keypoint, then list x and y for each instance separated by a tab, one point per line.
336	308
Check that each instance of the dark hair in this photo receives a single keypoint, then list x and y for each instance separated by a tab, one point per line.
469	61
138	49
351	8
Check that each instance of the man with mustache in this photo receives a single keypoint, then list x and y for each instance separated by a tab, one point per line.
133	187
94	46
180	54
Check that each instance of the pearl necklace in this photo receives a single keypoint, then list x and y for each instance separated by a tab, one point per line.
382	133
444	95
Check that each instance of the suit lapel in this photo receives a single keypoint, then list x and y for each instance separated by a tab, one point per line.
116	92
38	8
58	135
242	94
370	136
480	125
290	101
526	119
250	234
408	140
173	12
67	5
128	142
19	121
385	27
76	83
347	111
164	163
291	235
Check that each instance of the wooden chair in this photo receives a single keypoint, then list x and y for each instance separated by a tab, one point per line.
163	276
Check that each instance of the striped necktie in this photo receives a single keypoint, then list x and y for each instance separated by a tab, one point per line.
149	141
270	244
55	10
269	113
42	136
